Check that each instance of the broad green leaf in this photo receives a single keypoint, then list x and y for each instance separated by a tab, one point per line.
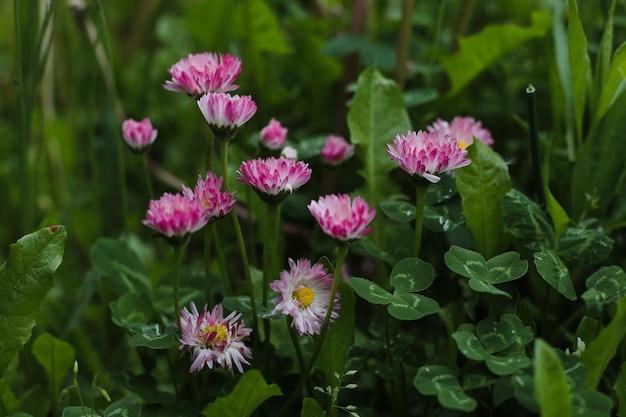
441	381
56	357
240	303
506	267
579	64
398	211
311	408
591	404
478	380
494	335
602	349
261	29
25	279
600	162
250	392
486	287
418	96
555	273
527	222
507	364
376	116
441	191
551	388
466	263
620	390
524	391
559	217
613	80
372	249
78	411
370	291
477	52
470	346
126	407
523	334
589	246
482	185
125	272
443	217
456	400
412	275
339	337
152	335
131	308
605	286
575	371
411	306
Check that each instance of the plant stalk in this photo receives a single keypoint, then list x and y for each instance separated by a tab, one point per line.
404	42
420	203
534	145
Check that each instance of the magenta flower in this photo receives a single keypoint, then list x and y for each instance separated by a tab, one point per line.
336	150
203	73
342	219
464	130
175	215
209	193
304	295
273	135
225	114
425	154
214	340
138	135
273	179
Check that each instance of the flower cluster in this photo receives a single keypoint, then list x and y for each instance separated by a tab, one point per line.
273	135
274	178
203	73
208	192
214	340
336	150
463	129
341	218
138	135
304	295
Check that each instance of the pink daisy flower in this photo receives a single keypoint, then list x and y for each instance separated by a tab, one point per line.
138	135
208	192
336	150
175	215
273	179
304	295
273	135
225	114
425	154
214	340
205	72
464	130
342	219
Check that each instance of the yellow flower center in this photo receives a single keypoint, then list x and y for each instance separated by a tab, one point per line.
462	145
219	333
305	295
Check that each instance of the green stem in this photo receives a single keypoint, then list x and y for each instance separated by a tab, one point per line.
420	203
220	260
404	41
144	159
341	255
207	263
209	150
178	250
534	146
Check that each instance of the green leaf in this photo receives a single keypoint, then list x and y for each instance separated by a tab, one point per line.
609	283
590	246
612	82
55	356
311	408
25	279
411	306
114	259
477	52
470	346
551	388
441	381
388	369
261	29
152	335
250	392
441	191
478	380
466	263
527	222
506	267
507	364
398	211
78	411
412	275
555	273
620	389
494	335
482	185
591	404
600	162
370	291
377	114
524	391
372	249
240	303
443	217
579	64
126	407
560	220
602	349
131	308
339	338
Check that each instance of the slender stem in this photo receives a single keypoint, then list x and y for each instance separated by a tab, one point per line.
209	150
404	42
341	255
178	250
534	145
420	203
144	159
207	263
220	260
240	241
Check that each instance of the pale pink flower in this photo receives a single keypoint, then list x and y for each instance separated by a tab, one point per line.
304	295
342	219
225	114
289	152
274	178
208	192
138	135
214	340
273	135
203	73
336	150
175	215
425	154
464	130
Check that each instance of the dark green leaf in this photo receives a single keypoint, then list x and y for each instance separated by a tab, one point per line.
456	400
434	378
126	407
240	303
466	263
78	411
475	381
555	273
591	404
620	390
152	336
494	335
399	211
311	408
441	191
443	217
371	249
590	246
553	392
25	279
605	286
370	291
55	356
527	222
114	259
411	306
613	78
575	371
419	96
470	346
579	64
131	308
388	369
524	391
507	364
412	275
506	267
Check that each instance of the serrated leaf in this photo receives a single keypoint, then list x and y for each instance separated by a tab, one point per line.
412	275
126	407
398	211
55	356
527	222
370	291
551	388
408	306
482	185
125	271
555	273
589	246
152	336
250	392
25	278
